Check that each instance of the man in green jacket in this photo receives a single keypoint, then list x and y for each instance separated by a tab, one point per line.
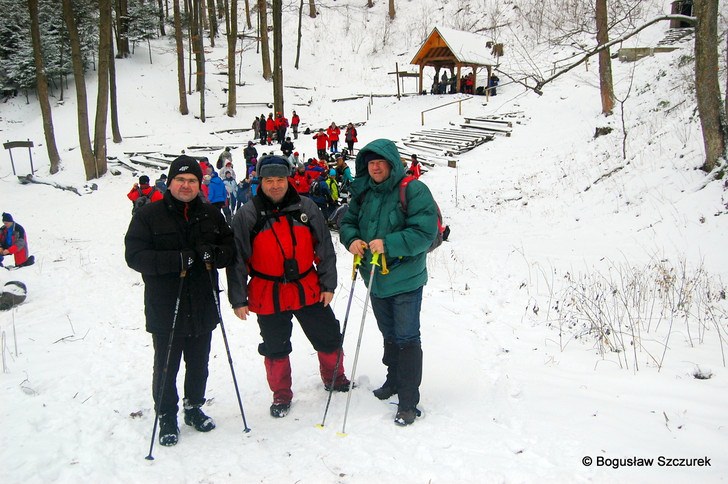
376	222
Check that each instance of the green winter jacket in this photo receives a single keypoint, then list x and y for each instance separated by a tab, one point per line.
375	212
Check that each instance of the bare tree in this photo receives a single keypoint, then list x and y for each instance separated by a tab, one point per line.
247	14
312	8
606	87
391	10
213	21
102	98
298	43
278	57
84	133
115	131
264	48
160	5
199	12
197	45
42	87
183	109
707	87
122	27
232	40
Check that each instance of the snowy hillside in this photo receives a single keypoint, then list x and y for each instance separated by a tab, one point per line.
518	385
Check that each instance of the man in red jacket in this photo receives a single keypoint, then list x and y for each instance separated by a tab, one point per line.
13	241
286	266
143	189
321	141
295	121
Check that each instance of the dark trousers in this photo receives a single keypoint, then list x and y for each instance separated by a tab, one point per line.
196	351
318	323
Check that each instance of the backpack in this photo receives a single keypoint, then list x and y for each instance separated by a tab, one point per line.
315	190
142	200
443	231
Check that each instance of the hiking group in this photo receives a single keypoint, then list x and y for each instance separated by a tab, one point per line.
277	249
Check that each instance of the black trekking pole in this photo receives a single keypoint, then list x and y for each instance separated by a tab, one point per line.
374	264
160	392
357	262
207	257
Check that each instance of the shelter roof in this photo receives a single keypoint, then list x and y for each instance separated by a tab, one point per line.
449	46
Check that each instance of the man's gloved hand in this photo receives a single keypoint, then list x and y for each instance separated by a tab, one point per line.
207	253
188	258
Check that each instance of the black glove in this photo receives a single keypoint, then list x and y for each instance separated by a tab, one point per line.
207	253
188	258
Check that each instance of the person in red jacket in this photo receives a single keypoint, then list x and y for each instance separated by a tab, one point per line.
270	128
144	189
285	266
13	241
414	169
281	127
301	181
295	121
350	137
333	133
321	140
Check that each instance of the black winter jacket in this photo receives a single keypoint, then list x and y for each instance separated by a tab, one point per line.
157	234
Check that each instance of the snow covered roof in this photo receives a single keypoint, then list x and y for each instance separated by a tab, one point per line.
447	46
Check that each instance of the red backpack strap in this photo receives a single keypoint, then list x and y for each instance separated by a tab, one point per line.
403	191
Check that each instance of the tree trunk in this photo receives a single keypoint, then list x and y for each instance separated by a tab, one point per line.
183	109
122	28
278	57
391	10
42	85
606	86
102	98
707	87
84	136
312	8
201	60
197	45
264	48
161	18
370	3
298	44
213	21
232	39
116	133
247	14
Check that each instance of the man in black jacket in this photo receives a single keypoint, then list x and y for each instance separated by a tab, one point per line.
176	244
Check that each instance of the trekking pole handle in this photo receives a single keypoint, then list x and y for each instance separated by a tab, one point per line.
357	263
384	270
375	259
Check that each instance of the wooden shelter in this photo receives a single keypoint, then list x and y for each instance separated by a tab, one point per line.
453	49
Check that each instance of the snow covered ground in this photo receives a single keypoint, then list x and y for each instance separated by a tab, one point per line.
506	395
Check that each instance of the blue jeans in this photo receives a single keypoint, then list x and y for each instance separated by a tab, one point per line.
398	317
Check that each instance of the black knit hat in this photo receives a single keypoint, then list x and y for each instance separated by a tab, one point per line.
273	166
182	165
372	155
7	217
144	180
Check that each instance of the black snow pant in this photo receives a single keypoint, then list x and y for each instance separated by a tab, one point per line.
196	351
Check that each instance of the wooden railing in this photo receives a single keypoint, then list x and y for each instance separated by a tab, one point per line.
460	107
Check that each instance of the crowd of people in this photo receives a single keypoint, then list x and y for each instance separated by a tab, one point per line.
272	232
449	84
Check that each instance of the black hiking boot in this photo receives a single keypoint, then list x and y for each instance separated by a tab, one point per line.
279	410
168	430
385	391
195	417
406	416
341	385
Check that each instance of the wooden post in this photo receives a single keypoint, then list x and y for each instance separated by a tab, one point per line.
396	73
19	144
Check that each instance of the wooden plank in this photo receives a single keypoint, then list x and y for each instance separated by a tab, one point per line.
488	120
488	130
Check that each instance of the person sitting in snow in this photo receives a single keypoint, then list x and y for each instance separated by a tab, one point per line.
13	241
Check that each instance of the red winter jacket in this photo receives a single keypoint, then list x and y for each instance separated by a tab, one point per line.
301	182
295	120
333	134
296	231
133	195
270	125
321	140
18	243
